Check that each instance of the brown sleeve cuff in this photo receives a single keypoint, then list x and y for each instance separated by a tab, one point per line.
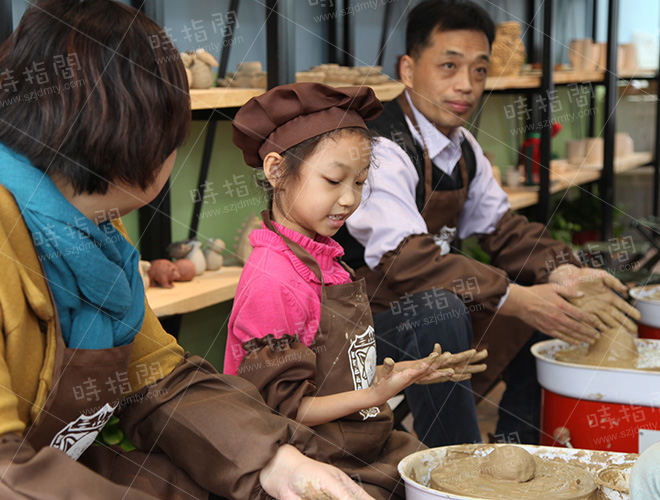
283	371
214	427
417	265
50	473
525	250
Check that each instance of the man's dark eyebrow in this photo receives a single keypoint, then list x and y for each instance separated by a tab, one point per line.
484	57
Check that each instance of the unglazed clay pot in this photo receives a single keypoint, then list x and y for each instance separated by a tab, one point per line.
186	269
163	272
213	254
197	256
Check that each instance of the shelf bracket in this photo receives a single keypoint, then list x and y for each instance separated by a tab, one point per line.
606	188
6	20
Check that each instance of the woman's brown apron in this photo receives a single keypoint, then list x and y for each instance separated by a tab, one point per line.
362	444
88	385
442	210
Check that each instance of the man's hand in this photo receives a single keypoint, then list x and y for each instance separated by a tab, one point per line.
598	297
570	276
545	308
290	475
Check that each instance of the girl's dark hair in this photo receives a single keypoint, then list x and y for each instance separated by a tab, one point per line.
444	15
294	157
97	93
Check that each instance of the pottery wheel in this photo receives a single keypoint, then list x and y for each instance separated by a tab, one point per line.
552	481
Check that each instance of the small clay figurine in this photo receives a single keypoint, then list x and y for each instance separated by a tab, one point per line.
179	249
186	269
213	253
163	272
144	267
202	69
197	256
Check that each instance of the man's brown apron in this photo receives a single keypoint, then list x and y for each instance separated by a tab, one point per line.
362	444
88	385
443	208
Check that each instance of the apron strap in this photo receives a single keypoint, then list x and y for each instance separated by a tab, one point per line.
347	268
428	165
302	254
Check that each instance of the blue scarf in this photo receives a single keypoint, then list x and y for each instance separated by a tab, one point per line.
92	270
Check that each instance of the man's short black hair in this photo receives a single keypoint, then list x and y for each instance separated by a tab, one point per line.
445	15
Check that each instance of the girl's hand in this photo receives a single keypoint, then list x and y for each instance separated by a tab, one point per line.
391	378
462	364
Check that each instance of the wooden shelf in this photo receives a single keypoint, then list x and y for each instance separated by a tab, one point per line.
220	97
212	287
513	82
532	81
384	91
564	175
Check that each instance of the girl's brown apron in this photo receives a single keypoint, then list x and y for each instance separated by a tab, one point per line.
362	444
441	211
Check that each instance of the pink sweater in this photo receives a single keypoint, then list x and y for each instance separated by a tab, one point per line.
277	294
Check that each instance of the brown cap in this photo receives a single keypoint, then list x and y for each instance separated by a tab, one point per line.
290	114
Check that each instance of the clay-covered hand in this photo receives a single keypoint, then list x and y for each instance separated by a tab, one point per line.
463	364
290	475
546	308
571	275
611	310
391	378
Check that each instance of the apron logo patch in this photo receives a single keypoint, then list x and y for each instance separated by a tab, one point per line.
445	238
78	435
362	358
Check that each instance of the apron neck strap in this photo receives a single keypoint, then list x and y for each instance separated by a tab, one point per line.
428	166
303	255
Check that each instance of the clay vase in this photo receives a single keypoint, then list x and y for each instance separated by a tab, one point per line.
213	254
623	145
583	54
575	151
593	150
627	54
601	56
197	256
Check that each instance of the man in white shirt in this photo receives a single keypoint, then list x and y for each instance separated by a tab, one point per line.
432	183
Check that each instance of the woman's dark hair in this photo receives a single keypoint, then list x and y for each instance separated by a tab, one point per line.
444	15
294	157
97	93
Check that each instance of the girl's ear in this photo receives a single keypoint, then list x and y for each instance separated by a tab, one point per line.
273	164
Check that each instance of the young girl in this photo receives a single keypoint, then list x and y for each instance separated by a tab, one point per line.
301	329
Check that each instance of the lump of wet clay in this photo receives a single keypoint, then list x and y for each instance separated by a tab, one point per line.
509	463
615	346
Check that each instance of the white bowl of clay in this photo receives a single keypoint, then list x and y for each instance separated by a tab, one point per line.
499	471
647	301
